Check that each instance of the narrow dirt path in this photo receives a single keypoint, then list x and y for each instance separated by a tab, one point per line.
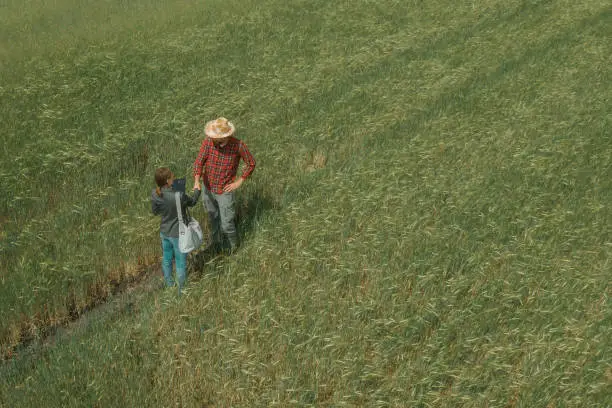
124	296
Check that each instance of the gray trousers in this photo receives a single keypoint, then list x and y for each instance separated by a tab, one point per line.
221	216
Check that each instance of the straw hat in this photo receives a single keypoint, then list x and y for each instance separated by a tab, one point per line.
219	128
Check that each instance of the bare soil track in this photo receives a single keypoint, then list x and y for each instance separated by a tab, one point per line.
122	298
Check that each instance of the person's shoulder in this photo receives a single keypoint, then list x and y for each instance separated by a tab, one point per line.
243	146
239	142
155	197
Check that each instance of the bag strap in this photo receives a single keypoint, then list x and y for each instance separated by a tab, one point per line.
177	198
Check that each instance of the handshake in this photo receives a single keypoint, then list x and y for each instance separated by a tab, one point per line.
227	189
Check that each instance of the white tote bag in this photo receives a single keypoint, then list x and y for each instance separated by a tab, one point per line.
190	234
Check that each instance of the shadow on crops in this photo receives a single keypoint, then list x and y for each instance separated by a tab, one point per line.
251	207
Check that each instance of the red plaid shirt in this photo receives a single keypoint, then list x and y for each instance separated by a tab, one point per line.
219	165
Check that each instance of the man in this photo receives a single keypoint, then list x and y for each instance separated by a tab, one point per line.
217	165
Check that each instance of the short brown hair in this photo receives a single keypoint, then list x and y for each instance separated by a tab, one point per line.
162	175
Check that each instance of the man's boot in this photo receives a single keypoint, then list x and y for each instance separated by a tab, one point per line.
233	241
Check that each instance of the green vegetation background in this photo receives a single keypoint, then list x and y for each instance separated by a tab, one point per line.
428	225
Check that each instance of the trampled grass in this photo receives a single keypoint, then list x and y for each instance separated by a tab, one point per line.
428	225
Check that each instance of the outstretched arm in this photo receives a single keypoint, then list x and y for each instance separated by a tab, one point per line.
190	201
198	165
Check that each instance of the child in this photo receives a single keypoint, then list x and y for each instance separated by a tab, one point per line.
163	203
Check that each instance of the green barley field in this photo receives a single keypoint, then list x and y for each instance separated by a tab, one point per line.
429	223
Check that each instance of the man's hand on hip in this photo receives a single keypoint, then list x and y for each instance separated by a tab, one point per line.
233	186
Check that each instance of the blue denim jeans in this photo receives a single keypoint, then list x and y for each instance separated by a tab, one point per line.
170	247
